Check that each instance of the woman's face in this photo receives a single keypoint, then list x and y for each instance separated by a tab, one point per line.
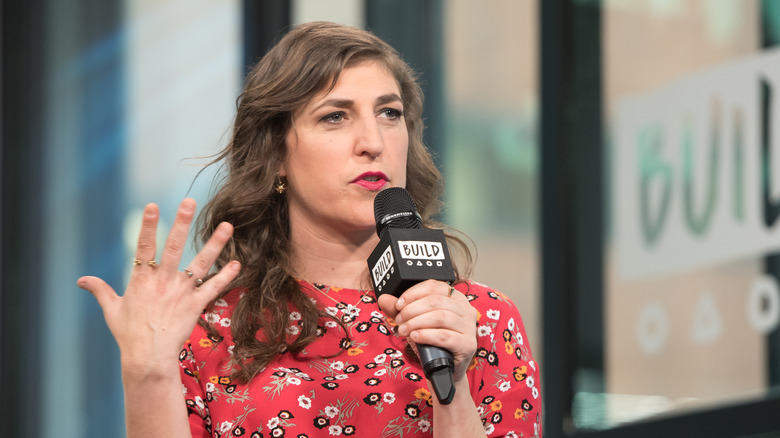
345	146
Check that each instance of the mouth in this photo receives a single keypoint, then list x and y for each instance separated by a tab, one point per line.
371	180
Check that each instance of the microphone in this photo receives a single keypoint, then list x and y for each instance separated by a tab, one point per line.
406	255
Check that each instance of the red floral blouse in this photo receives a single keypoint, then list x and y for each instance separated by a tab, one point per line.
372	389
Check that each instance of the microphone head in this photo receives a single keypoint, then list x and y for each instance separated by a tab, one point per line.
395	208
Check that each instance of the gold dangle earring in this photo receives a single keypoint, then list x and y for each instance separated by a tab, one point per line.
280	186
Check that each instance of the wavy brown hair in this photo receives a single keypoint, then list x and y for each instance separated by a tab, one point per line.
306	61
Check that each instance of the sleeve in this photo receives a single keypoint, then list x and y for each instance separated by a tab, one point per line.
194	394
505	384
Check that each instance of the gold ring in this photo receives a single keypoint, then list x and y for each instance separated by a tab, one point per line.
198	282
152	263
452	289
136	261
189	273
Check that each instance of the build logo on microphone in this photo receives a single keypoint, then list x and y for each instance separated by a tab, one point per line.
420	253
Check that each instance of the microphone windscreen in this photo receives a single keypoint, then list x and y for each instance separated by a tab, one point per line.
395	208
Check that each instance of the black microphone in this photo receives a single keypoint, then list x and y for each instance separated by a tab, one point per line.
407	254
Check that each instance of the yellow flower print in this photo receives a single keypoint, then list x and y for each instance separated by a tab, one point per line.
496	405
354	351
423	394
473	363
520	373
479	315
205	343
225	380
508	348
519	413
214	379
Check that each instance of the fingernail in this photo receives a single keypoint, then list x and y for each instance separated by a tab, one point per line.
234	265
400	303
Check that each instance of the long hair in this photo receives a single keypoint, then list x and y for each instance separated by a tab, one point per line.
306	61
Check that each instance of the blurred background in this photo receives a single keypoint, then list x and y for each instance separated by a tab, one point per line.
616	162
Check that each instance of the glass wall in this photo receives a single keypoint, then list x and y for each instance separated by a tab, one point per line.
691	297
490	147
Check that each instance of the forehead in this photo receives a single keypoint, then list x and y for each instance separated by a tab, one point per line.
368	72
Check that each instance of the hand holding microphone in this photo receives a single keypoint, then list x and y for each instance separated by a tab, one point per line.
403	264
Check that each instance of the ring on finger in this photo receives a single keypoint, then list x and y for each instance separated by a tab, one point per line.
452	289
152	263
137	261
198	282
189	273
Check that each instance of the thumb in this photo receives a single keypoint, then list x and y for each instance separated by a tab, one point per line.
386	303
99	289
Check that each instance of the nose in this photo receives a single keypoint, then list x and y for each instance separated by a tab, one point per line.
369	139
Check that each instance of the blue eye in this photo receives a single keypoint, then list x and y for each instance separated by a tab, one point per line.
334	117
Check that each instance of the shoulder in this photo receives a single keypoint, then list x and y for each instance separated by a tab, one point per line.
485	298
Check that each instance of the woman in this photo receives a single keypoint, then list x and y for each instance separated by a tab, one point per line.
293	341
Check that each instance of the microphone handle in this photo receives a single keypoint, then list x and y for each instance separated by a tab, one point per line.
438	366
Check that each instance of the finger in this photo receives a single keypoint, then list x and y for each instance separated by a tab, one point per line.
436	319
386	304
204	260
99	289
147	248
216	284
422	290
177	238
434	303
454	342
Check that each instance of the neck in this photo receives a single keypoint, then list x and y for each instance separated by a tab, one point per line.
333	259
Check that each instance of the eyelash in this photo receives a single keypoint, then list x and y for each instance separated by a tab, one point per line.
389	112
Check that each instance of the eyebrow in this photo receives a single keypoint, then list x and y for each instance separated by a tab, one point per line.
346	103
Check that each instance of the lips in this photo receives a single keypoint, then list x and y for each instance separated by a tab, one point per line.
373	181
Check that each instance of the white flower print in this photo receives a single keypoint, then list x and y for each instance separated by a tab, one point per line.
295	316
493	314
511	434
212	318
483	330
533	365
519	338
220	302
381	358
380	372
224	322
341	377
331	411
199	402
230	349
377	314
210	387
352	311
489	428
332	311
337	365
293	330
529	381
304	402
389	398
273	422
480	410
424	425
535	392
334	430
293	381
504	386
511	324
225	426
397	354
331	324
183	389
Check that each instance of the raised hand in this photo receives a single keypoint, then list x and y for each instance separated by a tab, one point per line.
433	313
161	305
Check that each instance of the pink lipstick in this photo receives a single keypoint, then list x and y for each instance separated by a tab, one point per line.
373	181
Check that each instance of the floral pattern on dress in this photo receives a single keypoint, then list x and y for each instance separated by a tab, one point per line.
372	388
